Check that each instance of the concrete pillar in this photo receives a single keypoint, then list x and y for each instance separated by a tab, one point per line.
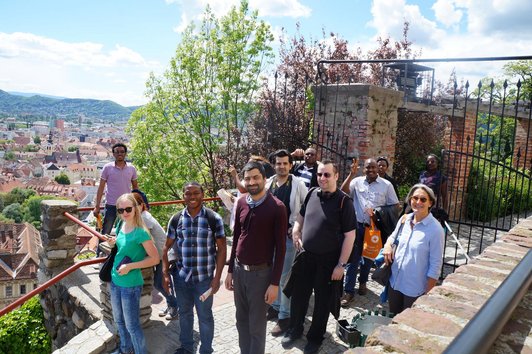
58	236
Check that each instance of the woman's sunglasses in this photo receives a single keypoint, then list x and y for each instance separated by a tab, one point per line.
421	199
121	210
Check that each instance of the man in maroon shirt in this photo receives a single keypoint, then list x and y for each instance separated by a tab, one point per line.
259	238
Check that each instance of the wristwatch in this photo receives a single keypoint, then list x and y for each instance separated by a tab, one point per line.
343	265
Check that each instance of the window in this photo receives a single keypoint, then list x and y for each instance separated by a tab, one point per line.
9	291
22	289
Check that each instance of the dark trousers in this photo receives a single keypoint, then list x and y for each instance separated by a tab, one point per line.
249	290
355	262
315	275
109	217
399	301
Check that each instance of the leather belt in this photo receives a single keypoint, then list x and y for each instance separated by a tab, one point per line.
253	267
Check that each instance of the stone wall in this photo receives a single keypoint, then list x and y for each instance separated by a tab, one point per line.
436	318
80	302
365	114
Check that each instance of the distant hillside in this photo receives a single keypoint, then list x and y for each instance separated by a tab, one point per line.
69	107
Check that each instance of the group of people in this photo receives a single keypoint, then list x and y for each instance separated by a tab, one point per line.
294	233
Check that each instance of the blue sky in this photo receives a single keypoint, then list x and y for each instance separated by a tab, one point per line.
105	49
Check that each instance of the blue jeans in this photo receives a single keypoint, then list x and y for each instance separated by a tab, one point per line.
187	296
355	260
126	313
282	304
171	301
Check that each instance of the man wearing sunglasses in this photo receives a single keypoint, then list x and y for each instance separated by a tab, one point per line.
120	178
368	192
323	233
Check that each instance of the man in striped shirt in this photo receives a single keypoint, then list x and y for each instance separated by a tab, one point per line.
307	170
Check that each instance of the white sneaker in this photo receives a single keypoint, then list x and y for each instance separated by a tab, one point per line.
172	314
163	313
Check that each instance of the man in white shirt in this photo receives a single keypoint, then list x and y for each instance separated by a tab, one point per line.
368	192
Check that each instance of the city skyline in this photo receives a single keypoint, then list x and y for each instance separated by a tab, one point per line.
106	50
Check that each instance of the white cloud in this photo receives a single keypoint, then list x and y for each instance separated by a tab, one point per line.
463	28
500	16
447	13
281	8
389	17
193	10
31	63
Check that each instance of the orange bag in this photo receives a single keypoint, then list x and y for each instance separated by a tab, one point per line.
372	241
99	223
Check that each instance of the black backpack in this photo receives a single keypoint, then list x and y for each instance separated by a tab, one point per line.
177	222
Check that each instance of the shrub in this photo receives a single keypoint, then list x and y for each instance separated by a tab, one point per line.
492	194
23	331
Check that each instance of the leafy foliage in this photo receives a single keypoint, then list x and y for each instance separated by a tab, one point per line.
17	195
27	206
192	127
13	212
31	209
23	331
62	179
287	100
9	156
495	191
414	142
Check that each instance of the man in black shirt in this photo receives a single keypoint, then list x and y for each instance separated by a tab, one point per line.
324	232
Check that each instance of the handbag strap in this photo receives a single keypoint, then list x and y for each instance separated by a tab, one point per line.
400	231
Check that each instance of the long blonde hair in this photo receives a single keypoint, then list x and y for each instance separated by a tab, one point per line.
137	218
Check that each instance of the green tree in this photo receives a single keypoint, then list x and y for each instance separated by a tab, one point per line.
9	156
62	178
31	148
13	212
23	330
36	140
72	148
17	195
31	209
521	70
198	110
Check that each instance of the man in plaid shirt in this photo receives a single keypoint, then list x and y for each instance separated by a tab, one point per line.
201	254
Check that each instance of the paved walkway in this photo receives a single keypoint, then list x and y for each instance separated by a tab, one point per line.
162	335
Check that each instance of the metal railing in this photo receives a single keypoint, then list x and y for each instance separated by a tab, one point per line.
483	329
80	264
48	284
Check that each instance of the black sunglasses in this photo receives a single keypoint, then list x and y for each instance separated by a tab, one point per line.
324	174
421	199
121	210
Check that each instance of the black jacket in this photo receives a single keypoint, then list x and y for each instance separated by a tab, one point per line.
386	218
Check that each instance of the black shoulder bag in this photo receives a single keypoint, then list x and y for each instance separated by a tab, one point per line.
382	274
107	266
